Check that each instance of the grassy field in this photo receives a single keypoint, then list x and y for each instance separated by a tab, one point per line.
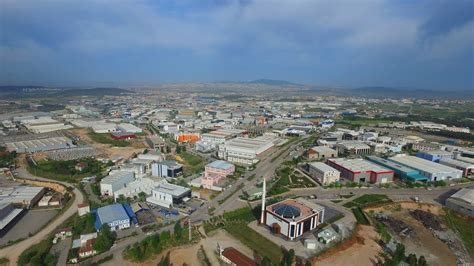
464	226
360	216
105	138
371	199
65	170
192	163
255	241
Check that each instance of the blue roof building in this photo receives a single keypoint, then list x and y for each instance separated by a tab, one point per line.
435	156
117	216
220	164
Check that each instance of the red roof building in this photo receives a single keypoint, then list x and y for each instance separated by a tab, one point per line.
122	135
234	257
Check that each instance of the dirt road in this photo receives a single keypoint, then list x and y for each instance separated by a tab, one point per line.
13	252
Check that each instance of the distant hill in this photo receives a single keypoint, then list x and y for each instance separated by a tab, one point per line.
94	92
273	82
34	91
388	92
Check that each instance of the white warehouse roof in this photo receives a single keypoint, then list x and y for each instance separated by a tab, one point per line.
424	165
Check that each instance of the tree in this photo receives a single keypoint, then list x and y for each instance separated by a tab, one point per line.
422	261
168	149
178	149
141	196
265	262
178	230
288	258
105	239
411	260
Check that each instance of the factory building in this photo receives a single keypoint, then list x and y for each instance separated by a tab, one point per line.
435	156
209	141
187	137
245	150
166	195
323	173
292	218
135	187
155	142
115	181
125	127
215	172
25	196
117	216
40	145
404	172
166	168
353	148
122	135
431	170
8	213
425	146
465	167
360	170
102	127
321	152
462	201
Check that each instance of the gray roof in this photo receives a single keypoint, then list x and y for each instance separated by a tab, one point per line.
465	194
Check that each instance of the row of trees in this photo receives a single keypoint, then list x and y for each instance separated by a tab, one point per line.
399	256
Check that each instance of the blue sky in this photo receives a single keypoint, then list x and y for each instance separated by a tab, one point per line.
350	43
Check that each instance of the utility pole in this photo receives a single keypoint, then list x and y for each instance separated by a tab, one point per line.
189	224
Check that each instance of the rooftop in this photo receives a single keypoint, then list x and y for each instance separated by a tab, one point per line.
422	164
172	189
466	195
359	165
220	164
110	213
322	167
295	209
115	176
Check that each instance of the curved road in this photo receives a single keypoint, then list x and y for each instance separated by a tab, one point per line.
14	251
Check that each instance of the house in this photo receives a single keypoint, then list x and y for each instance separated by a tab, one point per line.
88	249
83	209
63	233
80	166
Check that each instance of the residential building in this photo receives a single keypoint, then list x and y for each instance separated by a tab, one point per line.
360	170
83	209
323	173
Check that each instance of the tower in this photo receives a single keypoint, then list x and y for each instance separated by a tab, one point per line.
264	192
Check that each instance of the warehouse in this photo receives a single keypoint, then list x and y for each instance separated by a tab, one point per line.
135	187
40	145
102	127
25	196
8	213
321	152
166	168
433	171
292	218
351	148
187	137
323	173
360	170
117	216
166	195
462	201
404	172
435	156
245	150
155	142
47	128
466	168
125	127
114	181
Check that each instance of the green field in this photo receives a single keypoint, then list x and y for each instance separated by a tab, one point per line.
360	216
192	163
65	170
255	241
105	138
371	199
464	226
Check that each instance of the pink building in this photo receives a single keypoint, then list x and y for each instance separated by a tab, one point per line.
215	172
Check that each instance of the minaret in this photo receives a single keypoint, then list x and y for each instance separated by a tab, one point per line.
264	192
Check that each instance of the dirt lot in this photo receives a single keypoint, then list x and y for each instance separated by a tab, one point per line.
125	152
362	249
188	255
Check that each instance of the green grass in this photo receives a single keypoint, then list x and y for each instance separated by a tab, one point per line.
192	163
243	214
350	204
105	138
255	241
464	226
64	170
360	216
370	199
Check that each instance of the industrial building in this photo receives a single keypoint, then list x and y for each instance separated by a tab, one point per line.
102	127
134	188
245	150
166	195
214	172
155	142
122	135
435	156
187	137
114	181
125	127
353	148
433	171
321	152
166	168
323	173
8	213
25	196
360	170
117	216
403	172
40	145
232	256
292	218
209	141
465	167
462	201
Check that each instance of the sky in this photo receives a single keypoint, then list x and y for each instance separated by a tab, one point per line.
425	44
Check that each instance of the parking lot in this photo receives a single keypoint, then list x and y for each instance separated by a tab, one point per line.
30	223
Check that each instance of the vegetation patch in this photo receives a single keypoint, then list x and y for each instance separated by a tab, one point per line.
105	138
7	158
371	199
65	170
360	216
464	226
38	254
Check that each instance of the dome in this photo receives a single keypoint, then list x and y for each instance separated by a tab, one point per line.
287	211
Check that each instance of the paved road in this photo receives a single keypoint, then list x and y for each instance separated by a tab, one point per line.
14	251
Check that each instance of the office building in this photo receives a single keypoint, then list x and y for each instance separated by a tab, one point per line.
166	195
166	168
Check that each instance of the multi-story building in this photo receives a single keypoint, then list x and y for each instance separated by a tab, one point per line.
215	172
321	152
245	150
166	168
353	148
165	195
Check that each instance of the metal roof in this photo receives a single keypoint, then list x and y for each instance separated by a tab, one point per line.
110	213
465	194
423	165
359	165
220	164
323	167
